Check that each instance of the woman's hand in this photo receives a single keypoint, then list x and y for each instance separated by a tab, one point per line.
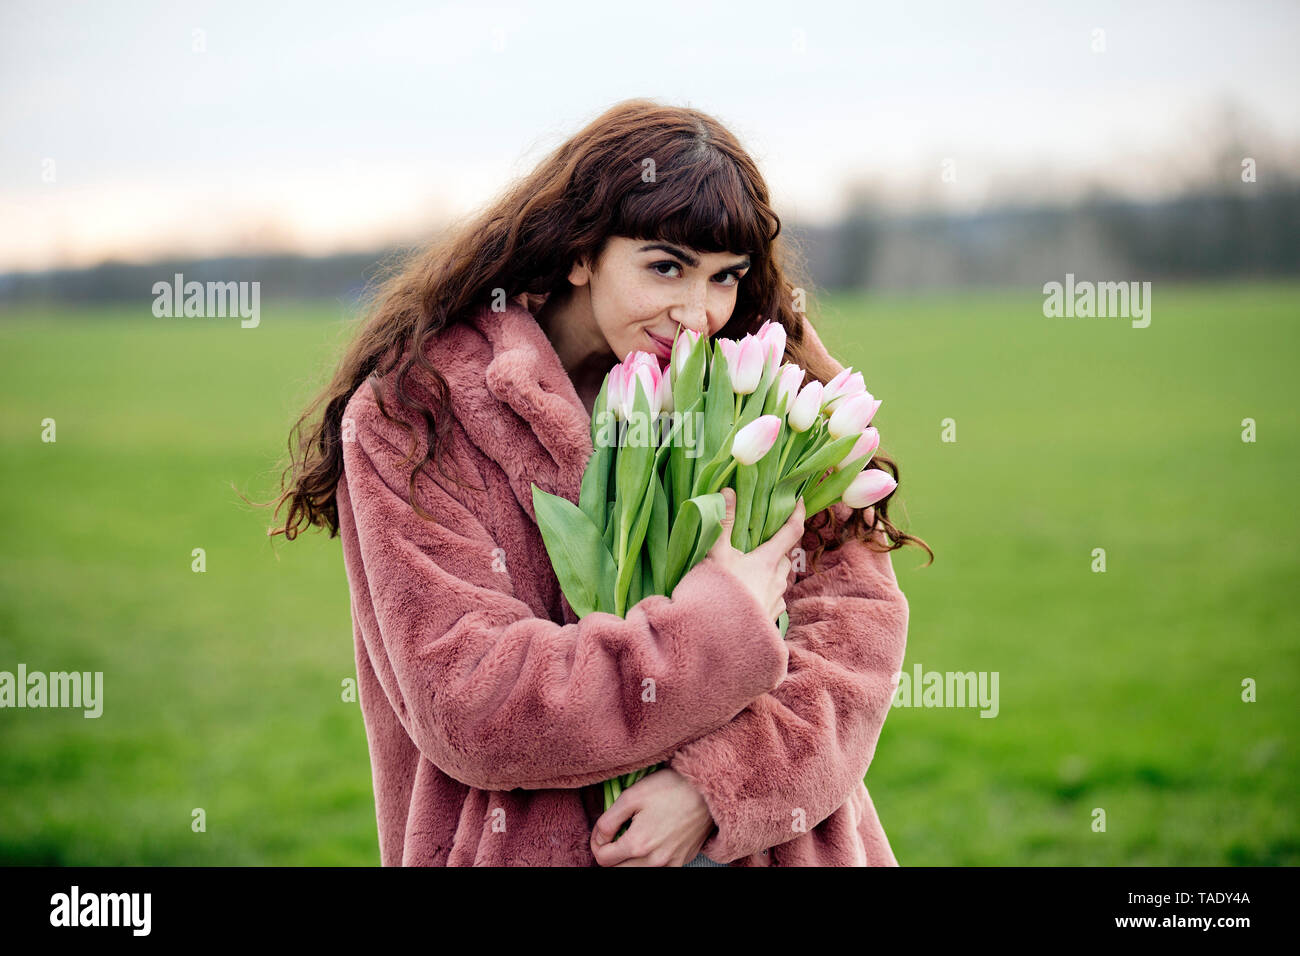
670	822
765	571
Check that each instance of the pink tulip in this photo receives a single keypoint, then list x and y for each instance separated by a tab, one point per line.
616	392
806	407
744	363
788	381
756	439
726	347
772	336
683	345
868	488
875	407
866	444
639	367
652	380
844	385
852	415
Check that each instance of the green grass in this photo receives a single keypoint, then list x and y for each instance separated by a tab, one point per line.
1118	690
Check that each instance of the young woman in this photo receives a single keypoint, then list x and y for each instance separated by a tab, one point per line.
492	714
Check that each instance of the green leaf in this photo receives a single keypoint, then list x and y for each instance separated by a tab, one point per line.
581	561
595	487
688	386
657	537
825	457
647	576
636	537
832	487
635	460
681	465
698	525
768	466
798	443
779	508
746	482
637	582
719	417
610	527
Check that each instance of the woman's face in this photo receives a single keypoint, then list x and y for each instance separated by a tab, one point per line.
642	290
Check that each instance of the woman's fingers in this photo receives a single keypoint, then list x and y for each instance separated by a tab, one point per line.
607	850
789	534
609	822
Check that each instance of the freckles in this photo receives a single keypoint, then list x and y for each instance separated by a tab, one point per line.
646	306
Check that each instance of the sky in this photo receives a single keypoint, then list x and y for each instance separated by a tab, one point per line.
132	131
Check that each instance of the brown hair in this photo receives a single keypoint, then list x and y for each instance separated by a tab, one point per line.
640	170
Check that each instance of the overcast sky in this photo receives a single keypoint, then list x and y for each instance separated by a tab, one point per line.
134	130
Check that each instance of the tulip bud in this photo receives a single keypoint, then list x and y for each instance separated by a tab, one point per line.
623	378
772	336
728	348
868	488
866	444
844	385
744	363
875	405
803	413
616	396
650	384
851	416
788	382
756	439
685	343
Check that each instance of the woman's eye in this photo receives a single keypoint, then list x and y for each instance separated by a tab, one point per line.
734	276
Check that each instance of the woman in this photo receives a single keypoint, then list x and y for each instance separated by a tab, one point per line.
492	714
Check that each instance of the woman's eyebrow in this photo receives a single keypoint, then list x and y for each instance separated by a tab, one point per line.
689	259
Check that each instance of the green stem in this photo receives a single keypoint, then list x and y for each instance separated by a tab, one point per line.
717	483
624	532
785	453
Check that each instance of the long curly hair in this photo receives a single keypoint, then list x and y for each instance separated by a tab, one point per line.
641	170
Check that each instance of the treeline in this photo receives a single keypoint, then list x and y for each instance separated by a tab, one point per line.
1243	232
1206	235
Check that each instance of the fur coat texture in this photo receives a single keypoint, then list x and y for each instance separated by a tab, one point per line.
492	714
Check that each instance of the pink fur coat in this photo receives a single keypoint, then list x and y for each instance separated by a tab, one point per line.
492	714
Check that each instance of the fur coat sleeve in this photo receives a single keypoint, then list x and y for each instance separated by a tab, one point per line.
500	698
798	752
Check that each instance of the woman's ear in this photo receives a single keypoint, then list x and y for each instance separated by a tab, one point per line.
580	273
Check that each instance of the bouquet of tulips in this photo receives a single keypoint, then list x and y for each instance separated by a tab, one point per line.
667	441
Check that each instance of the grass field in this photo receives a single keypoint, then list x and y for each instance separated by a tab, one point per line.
1119	690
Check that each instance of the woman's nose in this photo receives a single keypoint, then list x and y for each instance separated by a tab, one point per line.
692	314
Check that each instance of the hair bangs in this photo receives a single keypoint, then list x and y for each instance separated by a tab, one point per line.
702	205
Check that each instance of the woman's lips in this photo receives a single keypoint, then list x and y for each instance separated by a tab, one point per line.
662	346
